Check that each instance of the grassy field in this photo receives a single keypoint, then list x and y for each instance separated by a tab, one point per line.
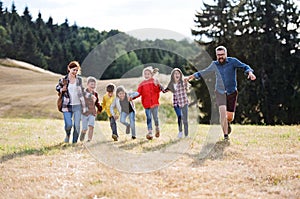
258	162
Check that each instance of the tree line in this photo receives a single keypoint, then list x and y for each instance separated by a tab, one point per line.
52	46
266	35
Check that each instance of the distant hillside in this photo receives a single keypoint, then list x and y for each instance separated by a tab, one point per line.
28	91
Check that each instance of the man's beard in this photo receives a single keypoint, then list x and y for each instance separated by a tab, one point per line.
221	60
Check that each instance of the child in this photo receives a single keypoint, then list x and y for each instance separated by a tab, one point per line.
149	90
180	100
88	117
106	102
126	108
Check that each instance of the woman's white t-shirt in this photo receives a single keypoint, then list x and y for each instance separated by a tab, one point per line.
74	99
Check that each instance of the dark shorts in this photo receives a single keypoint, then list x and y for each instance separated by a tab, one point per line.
228	100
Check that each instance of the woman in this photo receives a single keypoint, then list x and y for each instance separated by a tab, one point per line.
73	100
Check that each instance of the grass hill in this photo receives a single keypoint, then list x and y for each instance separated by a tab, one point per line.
29	91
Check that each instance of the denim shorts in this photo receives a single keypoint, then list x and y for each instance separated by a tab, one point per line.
87	121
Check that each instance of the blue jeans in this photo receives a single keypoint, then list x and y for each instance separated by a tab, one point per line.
132	121
113	125
149	113
182	116
76	112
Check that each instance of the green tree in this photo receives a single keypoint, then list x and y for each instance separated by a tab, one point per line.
264	34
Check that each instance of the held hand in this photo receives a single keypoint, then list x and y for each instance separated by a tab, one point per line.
191	77
116	117
251	76
64	88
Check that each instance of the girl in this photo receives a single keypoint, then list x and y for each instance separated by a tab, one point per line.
73	100
125	108
149	90
180	100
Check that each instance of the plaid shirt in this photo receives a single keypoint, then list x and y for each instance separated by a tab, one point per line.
180	95
66	106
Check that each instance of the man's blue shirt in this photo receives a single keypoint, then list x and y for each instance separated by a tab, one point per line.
225	74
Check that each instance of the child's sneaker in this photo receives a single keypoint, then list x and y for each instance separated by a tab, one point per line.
149	136
180	134
133	137
157	133
82	135
128	129
67	139
115	137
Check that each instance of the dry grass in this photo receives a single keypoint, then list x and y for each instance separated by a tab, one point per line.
258	162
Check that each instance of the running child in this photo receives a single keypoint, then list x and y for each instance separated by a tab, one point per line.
149	90
125	108
88	117
107	100
180	100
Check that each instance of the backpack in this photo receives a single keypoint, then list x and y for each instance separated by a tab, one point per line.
59	101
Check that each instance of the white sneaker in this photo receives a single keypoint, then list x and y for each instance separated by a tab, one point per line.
180	135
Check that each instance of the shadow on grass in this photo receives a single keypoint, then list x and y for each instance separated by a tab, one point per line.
130	145
162	146
36	151
210	151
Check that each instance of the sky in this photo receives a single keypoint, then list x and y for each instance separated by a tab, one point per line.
146	19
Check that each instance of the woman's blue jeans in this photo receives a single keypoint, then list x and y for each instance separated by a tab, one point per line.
76	113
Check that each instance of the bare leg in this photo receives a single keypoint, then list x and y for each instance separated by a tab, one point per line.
230	116
223	119
91	131
82	135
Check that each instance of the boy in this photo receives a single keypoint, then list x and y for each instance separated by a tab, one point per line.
92	101
107	100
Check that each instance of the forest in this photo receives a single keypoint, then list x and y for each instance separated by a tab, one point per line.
264	34
51	46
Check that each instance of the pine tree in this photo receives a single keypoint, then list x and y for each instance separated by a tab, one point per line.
264	35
